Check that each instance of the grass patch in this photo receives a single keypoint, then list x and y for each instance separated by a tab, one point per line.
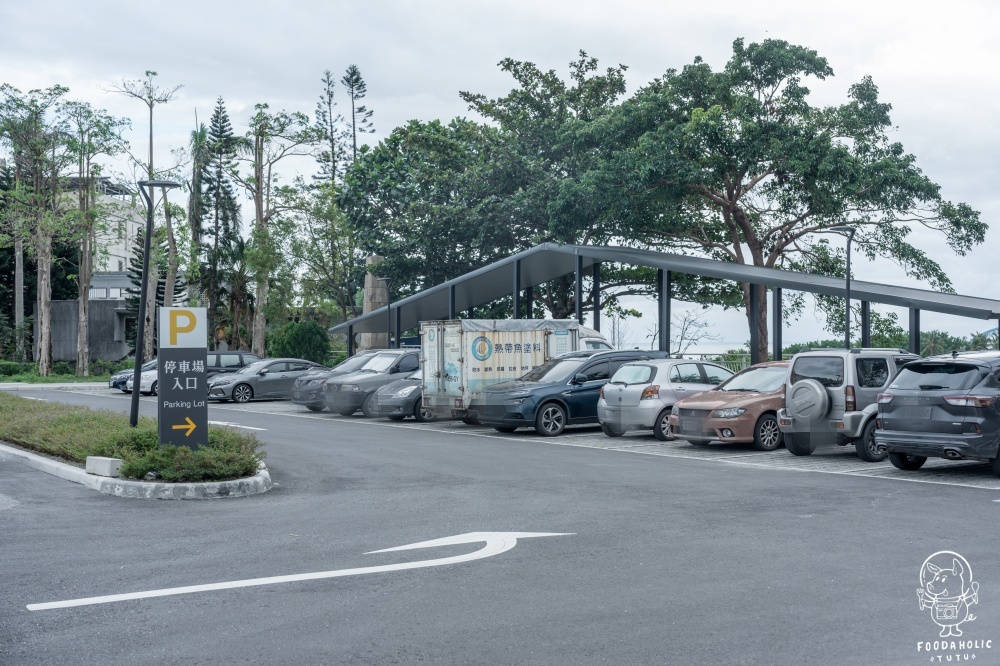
35	378
73	433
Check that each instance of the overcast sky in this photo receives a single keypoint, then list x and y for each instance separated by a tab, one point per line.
934	62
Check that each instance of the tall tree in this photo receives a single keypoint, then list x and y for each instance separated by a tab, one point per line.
738	166
329	131
360	115
200	157
270	140
90	134
31	126
222	212
150	94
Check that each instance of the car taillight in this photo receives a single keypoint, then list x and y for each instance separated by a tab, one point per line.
602	393
884	398
850	402
970	400
650	392
782	389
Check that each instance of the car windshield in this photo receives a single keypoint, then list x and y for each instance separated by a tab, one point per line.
416	374
554	370
252	368
379	363
936	376
764	380
353	363
633	374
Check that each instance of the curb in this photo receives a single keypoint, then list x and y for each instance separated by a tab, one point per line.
28	386
254	485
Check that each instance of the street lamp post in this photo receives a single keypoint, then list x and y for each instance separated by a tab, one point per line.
133	418
388	312
850	231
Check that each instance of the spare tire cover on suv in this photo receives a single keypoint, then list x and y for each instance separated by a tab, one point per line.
808	401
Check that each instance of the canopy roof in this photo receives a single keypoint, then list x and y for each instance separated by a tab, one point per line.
548	261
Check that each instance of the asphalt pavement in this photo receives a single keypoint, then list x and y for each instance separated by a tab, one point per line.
668	554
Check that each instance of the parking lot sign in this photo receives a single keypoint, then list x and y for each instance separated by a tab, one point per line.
182	388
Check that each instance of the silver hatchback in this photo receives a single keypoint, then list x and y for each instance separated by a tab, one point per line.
641	394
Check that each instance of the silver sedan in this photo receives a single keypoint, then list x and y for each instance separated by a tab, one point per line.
270	378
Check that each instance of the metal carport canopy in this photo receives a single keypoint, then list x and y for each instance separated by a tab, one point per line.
543	263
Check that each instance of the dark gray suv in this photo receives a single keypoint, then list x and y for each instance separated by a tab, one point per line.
942	407
347	394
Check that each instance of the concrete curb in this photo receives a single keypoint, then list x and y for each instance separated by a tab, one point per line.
259	483
27	386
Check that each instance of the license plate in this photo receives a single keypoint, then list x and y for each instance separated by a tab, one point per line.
296	395
690	427
922	413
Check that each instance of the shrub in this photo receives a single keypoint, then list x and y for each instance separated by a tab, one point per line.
73	433
306	339
62	368
10	368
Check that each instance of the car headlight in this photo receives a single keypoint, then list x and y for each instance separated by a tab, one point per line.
350	387
675	410
516	401
728	413
403	392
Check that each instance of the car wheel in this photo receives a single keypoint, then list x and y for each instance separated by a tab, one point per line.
470	420
799	444
423	415
367	408
866	446
766	434
315	408
661	427
906	461
611	431
346	411
152	389
551	420
506	429
242	393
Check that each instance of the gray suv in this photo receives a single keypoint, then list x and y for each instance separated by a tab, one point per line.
830	398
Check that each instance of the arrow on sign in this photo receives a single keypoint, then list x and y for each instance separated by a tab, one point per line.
189	426
496	543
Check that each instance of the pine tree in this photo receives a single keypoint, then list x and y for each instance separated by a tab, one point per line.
222	216
331	134
158	263
360	116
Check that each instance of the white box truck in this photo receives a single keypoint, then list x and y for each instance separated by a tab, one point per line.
460	357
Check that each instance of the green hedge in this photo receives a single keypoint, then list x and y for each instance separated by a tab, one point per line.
73	433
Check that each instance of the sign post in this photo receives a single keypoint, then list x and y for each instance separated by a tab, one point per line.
182	387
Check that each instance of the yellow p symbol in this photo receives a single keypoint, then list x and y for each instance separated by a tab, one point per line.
175	328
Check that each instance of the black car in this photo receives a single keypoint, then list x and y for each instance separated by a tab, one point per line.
562	391
942	407
219	362
348	393
402	398
308	389
120	378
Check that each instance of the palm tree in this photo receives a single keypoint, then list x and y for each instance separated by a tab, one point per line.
236	294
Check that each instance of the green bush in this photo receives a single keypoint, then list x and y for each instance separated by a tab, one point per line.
305	339
73	433
62	368
10	368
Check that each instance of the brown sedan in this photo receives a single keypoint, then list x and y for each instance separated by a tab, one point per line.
741	411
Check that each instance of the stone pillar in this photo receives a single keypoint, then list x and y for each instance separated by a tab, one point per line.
374	298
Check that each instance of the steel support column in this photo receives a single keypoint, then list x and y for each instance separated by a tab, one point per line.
915	330
663	313
595	296
578	290
866	324
517	289
776	323
451	302
350	341
529	303
754	329
399	317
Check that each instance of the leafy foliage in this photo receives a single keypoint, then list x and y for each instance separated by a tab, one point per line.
306	339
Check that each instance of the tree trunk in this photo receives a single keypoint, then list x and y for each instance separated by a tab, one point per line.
168	286
761	322
259	325
83	310
44	314
148	348
19	294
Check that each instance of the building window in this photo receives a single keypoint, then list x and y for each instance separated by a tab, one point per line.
121	265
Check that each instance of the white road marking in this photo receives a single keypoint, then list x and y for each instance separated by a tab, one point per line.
496	543
38	399
234	425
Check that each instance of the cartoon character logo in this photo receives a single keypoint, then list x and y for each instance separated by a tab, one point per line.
431	334
948	591
482	348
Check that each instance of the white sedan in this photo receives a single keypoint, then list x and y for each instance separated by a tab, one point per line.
147	383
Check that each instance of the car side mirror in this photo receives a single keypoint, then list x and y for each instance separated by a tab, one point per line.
262	372
580	378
